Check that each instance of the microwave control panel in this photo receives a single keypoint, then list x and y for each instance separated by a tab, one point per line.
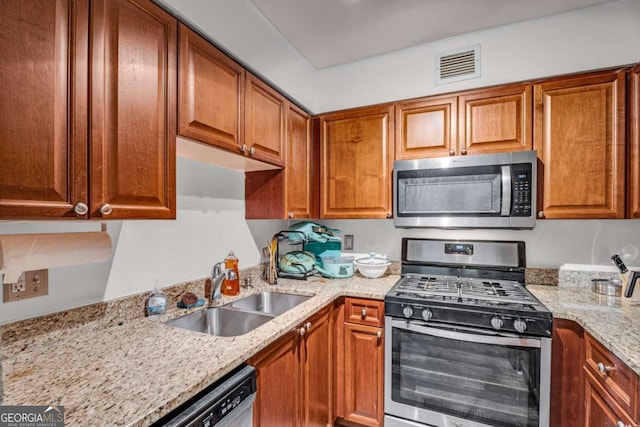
521	189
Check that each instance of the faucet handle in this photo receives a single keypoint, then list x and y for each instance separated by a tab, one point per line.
217	269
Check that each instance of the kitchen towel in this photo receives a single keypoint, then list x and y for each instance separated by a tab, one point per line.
26	252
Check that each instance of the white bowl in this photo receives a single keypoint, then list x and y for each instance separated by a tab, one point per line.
372	267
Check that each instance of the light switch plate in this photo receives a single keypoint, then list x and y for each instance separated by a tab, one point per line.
30	284
348	242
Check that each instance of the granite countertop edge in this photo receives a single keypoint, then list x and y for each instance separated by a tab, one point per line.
95	371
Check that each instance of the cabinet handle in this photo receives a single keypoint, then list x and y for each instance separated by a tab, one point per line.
243	149
106	209
452	152
307	326
379	334
81	209
252	151
290	215
302	331
363	313
621	424
389	215
605	369
463	151
540	214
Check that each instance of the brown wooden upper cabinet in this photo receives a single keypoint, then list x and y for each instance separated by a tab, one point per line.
291	192
211	93
580	138
265	121
356	160
634	144
475	122
87	123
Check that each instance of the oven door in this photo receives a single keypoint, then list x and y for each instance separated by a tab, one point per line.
455	376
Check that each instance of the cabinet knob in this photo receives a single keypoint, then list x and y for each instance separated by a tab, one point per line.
363	313
452	152
252	151
621	424
463	151
389	215
290	215
605	369
307	326
540	214
302	331
81	208
379	334
106	209
243	149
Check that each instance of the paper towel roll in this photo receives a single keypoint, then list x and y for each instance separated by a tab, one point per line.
26	252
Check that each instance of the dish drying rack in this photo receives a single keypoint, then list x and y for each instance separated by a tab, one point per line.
283	246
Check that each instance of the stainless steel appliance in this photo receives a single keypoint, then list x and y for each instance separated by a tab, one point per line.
466	344
227	403
480	191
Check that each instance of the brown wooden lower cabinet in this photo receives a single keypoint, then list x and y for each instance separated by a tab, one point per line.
359	366
589	386
294	377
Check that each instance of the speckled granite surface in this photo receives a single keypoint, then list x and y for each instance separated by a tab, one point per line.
137	371
123	369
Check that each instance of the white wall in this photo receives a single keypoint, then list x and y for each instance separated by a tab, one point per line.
550	244
210	221
590	38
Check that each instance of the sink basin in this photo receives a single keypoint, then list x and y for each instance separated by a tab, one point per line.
273	303
221	321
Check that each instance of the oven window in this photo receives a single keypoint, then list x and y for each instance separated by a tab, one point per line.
487	383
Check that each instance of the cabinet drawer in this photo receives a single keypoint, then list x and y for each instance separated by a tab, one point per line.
364	312
615	377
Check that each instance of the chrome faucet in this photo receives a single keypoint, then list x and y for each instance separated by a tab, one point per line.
218	274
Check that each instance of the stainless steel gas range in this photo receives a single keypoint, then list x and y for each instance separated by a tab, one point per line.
466	344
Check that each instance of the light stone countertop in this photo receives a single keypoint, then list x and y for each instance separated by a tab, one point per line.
134	373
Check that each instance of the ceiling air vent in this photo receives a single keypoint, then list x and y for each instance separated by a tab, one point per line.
459	64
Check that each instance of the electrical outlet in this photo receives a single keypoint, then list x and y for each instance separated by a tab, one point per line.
30	284
348	242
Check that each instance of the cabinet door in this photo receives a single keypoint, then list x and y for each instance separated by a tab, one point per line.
580	138
316	371
356	160
133	95
634	144
426	128
567	384
496	120
300	171
265	111
363	374
600	409
43	107
278	384
211	91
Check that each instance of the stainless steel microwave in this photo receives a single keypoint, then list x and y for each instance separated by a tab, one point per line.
478	191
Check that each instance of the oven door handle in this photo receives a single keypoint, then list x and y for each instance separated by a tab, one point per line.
461	336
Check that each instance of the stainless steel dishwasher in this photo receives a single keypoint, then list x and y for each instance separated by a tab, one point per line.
227	403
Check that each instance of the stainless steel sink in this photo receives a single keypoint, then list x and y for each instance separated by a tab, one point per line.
221	321
239	317
273	303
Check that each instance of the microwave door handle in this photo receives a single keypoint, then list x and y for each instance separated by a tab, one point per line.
461	336
506	190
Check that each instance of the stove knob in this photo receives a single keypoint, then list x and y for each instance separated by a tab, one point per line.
497	323
427	314
520	325
407	311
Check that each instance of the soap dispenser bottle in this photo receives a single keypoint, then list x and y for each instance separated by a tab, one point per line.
231	283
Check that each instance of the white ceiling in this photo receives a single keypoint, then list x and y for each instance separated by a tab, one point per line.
332	32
